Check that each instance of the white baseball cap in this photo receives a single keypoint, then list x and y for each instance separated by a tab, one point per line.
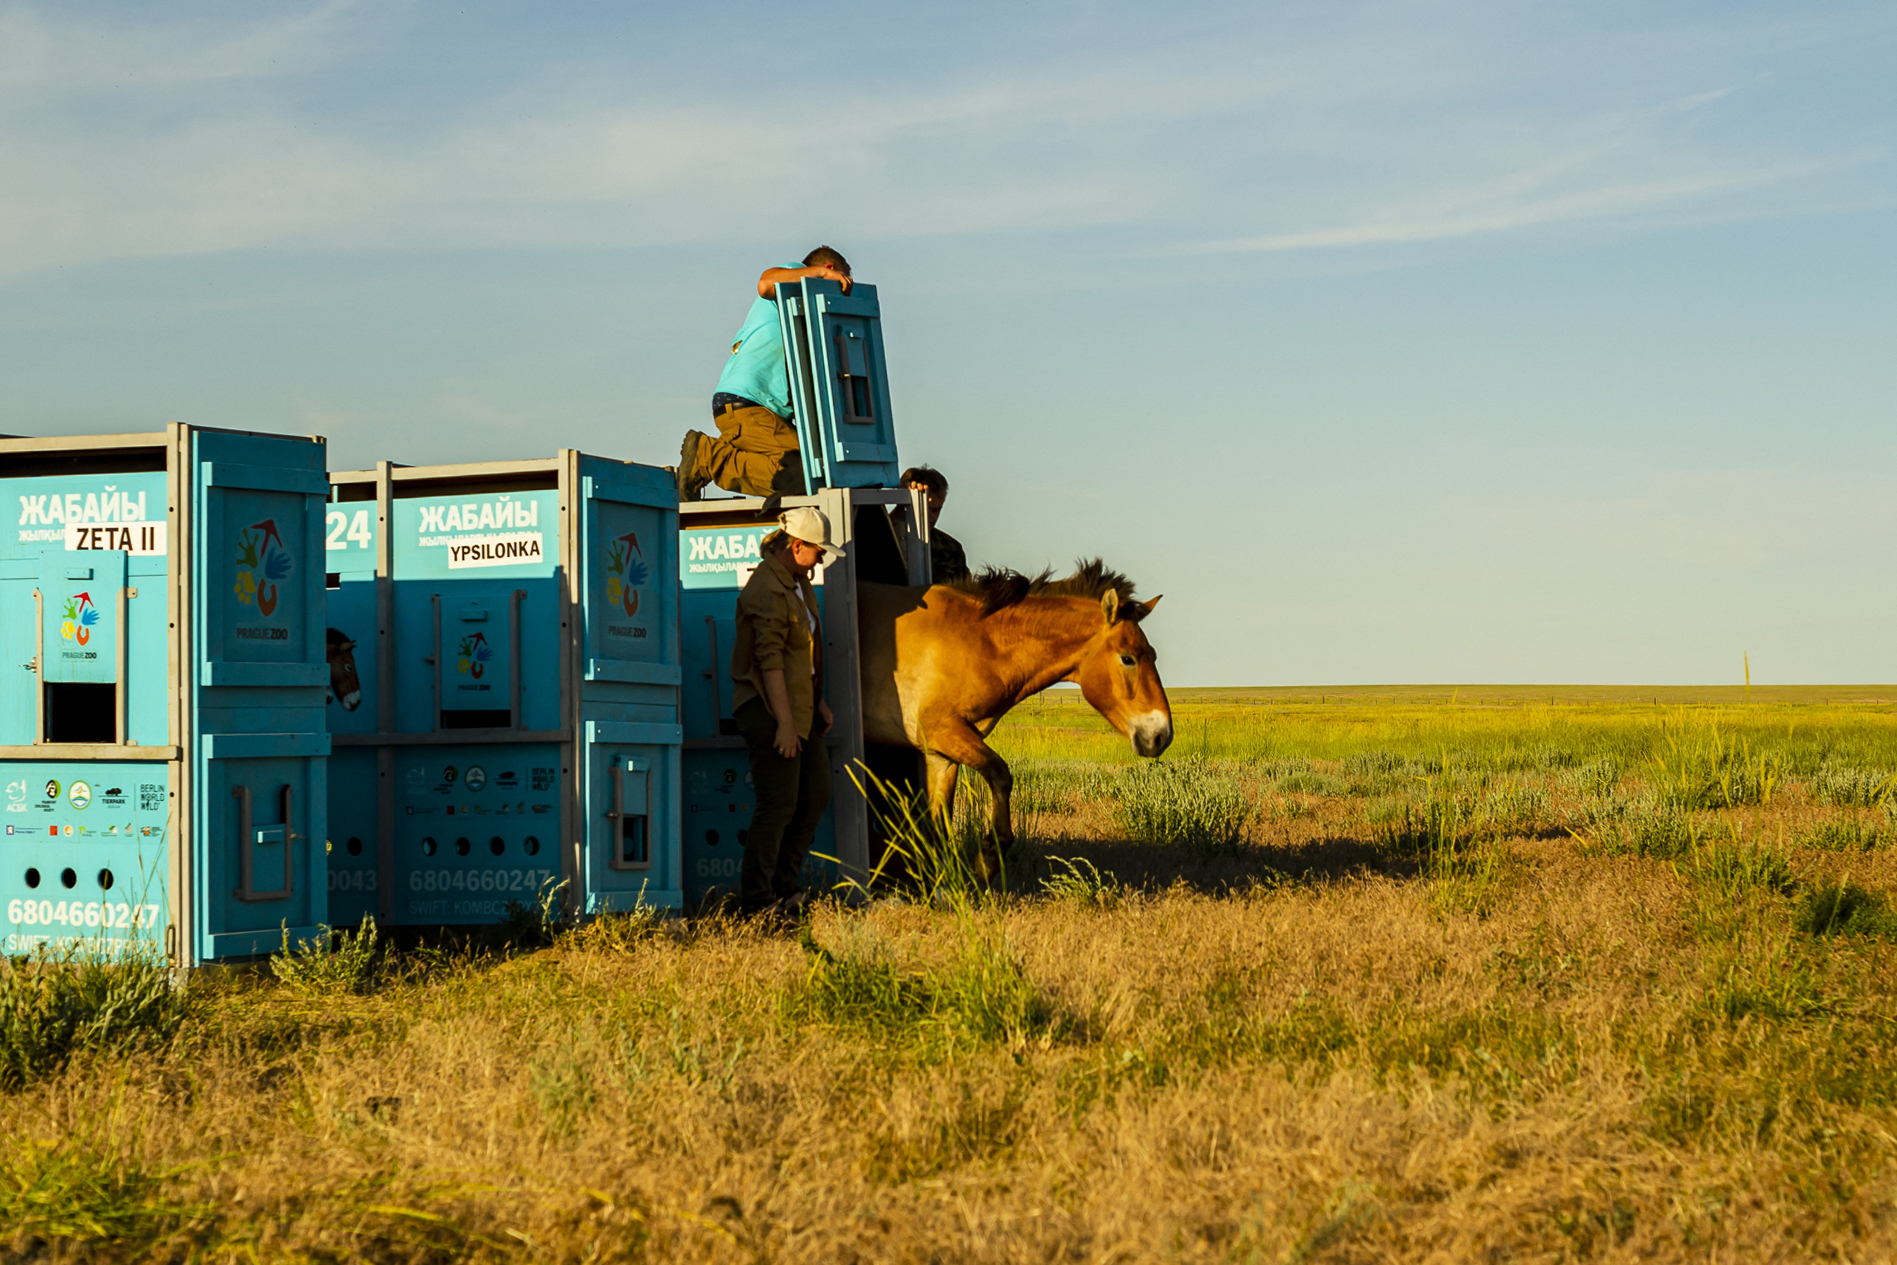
807	523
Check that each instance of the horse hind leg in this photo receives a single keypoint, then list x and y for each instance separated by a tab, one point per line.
943	774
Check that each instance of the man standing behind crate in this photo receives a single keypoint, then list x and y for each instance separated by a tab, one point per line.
778	703
947	560
755	451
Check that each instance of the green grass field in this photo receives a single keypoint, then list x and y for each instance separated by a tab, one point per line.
1385	973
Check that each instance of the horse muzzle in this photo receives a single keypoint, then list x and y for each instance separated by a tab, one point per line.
1151	733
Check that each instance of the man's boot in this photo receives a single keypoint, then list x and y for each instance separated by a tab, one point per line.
691	478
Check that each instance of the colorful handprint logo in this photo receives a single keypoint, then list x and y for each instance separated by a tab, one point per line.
77	618
472	655
263	562
625	574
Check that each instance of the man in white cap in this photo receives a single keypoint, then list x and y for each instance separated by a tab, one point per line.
778	703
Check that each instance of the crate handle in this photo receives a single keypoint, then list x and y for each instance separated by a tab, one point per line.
617	859
247	840
513	657
717	693
39	667
435	659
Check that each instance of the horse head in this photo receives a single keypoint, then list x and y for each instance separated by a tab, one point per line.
344	686
1118	677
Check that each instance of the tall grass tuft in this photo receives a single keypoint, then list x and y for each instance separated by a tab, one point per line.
1048	788
1517	810
616	932
1456	837
1734	867
1187	802
1467	878
536	925
63	1196
52	1007
1422	828
980	995
1083	885
1846	834
1595	778
1446	814
1761	975
1309	782
1845	909
1380	763
1851	787
935	860
1647	827
353	965
1701	767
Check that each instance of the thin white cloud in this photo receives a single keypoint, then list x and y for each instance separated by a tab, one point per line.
154	137
56	54
1508	214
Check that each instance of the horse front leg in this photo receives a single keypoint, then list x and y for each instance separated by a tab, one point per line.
958	743
999	839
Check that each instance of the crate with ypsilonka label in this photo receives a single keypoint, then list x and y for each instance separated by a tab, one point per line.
503	652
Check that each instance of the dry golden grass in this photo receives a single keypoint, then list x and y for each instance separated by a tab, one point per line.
1324	1043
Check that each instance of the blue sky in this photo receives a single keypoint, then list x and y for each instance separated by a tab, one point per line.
1392	342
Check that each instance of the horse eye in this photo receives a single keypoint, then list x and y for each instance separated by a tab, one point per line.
1128	661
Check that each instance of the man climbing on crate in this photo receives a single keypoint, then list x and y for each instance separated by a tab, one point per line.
947	561
777	663
755	451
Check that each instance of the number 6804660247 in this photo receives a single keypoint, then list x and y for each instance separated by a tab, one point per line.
81	913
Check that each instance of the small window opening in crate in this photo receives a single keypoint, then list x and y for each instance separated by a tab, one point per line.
81	712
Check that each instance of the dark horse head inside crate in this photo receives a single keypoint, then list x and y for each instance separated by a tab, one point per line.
344	687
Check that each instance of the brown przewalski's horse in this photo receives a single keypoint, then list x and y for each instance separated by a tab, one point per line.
344	686
943	665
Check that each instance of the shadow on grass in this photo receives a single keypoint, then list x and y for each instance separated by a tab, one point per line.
1236	867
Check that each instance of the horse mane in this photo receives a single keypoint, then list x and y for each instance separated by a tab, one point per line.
1001	587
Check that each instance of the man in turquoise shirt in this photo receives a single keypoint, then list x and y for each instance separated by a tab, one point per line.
755	451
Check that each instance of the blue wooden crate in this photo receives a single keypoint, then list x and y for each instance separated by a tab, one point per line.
516	646
163	753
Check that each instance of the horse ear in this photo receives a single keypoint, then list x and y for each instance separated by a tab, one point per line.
1110	603
1133	612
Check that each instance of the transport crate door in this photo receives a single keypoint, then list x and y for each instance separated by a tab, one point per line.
833	347
630	799
630	576
259	740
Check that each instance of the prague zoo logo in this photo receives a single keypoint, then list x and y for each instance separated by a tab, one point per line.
263	562
625	574
77	619
472	655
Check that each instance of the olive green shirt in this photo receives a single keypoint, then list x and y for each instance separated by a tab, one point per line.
946	560
774	633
